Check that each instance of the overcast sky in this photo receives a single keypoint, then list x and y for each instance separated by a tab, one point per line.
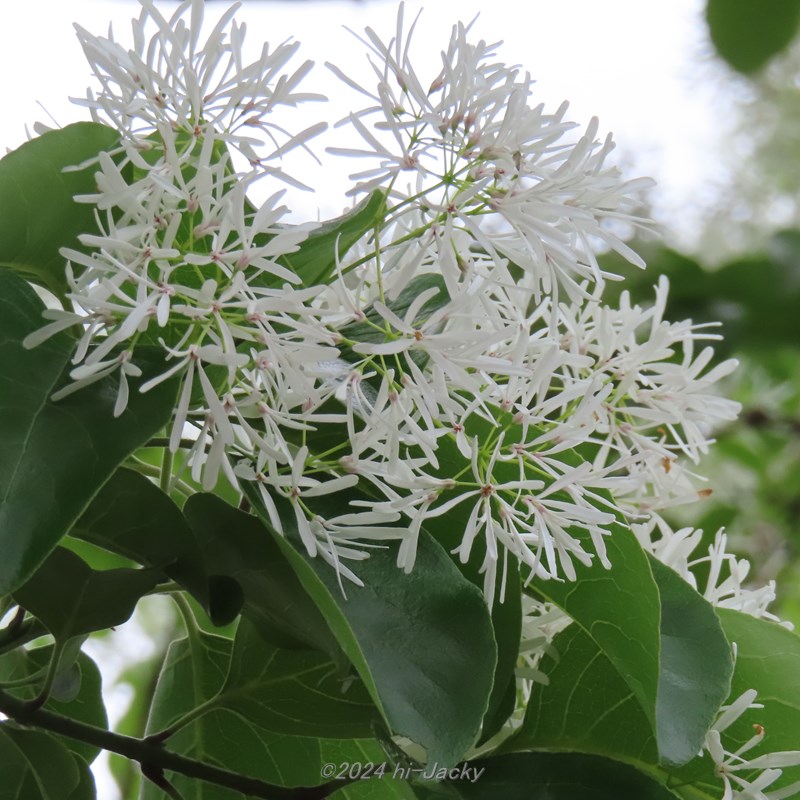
638	66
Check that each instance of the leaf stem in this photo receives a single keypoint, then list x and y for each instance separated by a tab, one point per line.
163	441
153	471
26	632
52	672
26	681
189	619
154	758
186	719
166	470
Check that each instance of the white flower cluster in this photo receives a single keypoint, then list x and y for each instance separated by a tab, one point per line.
458	363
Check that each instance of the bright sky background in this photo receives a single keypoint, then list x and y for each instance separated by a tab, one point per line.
641	67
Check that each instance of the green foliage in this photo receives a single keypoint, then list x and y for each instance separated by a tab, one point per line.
748	33
590	704
234	545
72	599
35	766
38	215
767	657
315	260
619	610
418	641
55	456
695	668
200	670
83	701
548	776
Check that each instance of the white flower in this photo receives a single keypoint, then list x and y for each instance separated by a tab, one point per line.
728	764
172	79
487	160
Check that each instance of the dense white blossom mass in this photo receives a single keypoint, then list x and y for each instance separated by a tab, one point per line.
456	360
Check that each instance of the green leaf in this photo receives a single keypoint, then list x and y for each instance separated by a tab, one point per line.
696	668
85	790
506	615
56	456
422	643
38	215
193	673
295	692
586	707
371	329
236	545
619	610
35	766
72	599
589	706
131	516
315	261
507	628
748	33
384	788
87	705
546	776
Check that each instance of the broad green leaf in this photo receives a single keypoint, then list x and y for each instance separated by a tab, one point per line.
586	706
507	627
696	668
422	643
748	33
589	707
619	609
545	776
662	638
315	261
87	705
38	215
506	614
295	692
133	517
56	456
193	673
72	599
35	766
86	789
387	788
236	545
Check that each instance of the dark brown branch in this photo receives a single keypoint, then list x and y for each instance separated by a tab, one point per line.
154	758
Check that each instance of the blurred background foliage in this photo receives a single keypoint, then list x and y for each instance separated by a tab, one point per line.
745	273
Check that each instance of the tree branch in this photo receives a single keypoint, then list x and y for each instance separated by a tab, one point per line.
153	757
